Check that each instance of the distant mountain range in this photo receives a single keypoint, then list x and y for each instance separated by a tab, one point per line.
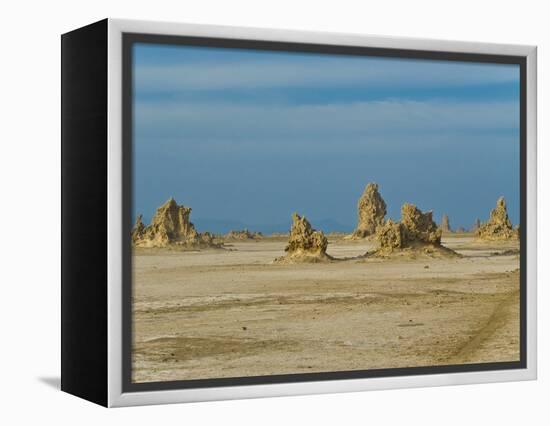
330	225
220	226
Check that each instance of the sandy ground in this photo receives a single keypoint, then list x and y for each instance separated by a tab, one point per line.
232	313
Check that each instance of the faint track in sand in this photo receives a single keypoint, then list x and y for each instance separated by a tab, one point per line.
492	333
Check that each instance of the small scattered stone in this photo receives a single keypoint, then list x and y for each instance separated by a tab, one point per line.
242	235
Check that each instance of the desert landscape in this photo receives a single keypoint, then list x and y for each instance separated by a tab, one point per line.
389	294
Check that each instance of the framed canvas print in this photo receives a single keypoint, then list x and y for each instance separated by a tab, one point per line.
251	213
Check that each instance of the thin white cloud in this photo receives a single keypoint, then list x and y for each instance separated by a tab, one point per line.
318	72
219	121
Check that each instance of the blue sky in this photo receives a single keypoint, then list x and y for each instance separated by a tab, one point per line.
247	137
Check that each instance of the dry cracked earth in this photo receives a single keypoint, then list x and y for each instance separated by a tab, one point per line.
233	313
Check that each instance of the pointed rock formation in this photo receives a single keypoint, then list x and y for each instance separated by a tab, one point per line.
170	226
419	226
305	244
445	226
499	226
371	210
391	236
417	233
138	229
476	225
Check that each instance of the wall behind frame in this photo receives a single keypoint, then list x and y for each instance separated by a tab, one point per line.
30	172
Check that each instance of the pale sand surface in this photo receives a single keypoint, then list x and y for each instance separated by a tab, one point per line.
231	313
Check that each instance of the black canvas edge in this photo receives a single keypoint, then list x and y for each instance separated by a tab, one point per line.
84	74
129	39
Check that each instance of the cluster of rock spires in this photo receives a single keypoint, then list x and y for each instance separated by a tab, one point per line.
446	226
244	234
371	211
499	226
416	231
170	226
475	226
305	244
